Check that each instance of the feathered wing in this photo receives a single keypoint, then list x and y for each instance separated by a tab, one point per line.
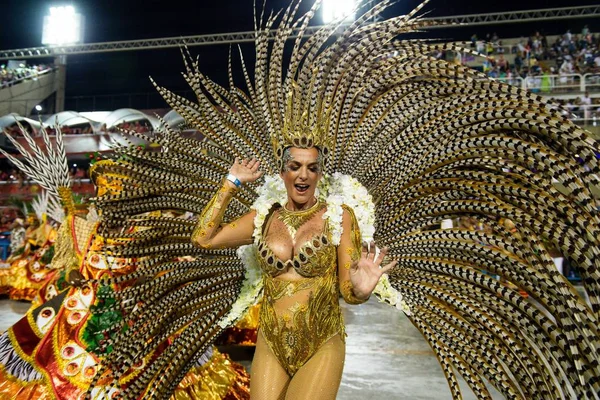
431	141
40	205
172	305
170	299
46	204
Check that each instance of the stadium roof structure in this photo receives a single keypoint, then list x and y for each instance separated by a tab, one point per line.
129	115
68	118
10	119
173	119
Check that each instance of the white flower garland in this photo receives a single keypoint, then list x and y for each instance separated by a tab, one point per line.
271	192
344	189
387	294
335	190
251	287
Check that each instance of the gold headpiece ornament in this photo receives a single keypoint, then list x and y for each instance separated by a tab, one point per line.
94	172
107	181
304	127
66	197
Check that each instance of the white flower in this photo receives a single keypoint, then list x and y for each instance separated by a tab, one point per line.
404	307
387	294
251	287
271	192
343	189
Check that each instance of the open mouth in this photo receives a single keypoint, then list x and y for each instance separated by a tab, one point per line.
301	188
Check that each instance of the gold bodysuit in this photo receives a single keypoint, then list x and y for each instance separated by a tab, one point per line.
298	316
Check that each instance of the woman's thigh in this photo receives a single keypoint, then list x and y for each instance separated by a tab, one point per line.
268	379
320	377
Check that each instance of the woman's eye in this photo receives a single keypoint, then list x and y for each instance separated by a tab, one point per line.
314	169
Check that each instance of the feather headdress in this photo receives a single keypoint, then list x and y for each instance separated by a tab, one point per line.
431	141
48	168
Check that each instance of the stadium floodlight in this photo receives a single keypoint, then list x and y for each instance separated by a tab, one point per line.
62	26
334	10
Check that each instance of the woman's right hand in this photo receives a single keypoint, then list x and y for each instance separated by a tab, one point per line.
246	170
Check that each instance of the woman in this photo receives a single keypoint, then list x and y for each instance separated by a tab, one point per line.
422	140
30	268
300	348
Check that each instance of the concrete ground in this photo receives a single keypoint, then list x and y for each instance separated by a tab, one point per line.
386	357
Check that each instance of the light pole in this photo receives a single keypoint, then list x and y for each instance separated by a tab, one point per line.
63	26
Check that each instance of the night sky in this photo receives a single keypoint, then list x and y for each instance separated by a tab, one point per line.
127	72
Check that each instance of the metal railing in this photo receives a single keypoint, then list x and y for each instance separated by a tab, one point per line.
451	21
549	84
30	182
556	84
583	114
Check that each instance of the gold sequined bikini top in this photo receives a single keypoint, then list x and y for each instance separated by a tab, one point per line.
314	258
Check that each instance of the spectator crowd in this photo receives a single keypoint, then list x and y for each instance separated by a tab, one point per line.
582	107
82	129
538	56
11	76
136	126
14	175
15	131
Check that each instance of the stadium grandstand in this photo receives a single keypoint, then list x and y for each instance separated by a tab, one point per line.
11	75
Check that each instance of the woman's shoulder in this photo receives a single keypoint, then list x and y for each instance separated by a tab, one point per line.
348	212
275	207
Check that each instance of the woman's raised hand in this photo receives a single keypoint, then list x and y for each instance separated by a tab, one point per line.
246	170
366	271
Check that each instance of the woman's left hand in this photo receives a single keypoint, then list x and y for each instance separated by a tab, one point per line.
366	271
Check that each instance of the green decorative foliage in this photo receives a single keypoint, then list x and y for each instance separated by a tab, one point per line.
48	255
104	317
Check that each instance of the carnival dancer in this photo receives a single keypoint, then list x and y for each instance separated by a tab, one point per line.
350	122
30	264
17	246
